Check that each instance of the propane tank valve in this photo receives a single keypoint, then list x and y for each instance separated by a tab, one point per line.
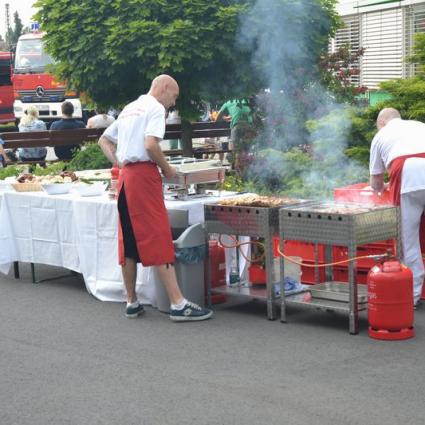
379	258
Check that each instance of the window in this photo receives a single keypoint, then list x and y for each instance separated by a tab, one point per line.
414	23
349	35
382	39
5	73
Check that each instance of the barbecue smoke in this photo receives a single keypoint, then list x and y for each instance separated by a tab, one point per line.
284	36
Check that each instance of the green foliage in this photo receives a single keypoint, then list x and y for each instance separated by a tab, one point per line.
90	157
53	168
408	96
10	171
233	182
277	172
359	153
418	56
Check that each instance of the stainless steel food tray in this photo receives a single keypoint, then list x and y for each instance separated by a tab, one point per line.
206	175
337	291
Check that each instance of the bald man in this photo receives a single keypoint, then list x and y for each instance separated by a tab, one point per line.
399	148
144	232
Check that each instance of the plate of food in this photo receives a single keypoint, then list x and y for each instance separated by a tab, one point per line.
56	188
56	184
90	189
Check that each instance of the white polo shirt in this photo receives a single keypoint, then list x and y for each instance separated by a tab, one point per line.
143	117
399	138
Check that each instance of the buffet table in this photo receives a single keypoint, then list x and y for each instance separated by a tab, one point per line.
77	233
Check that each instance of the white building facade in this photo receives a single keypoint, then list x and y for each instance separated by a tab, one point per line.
385	29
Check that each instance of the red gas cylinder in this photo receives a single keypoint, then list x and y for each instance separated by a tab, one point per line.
390	301
218	270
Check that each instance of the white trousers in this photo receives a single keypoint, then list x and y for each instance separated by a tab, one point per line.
412	206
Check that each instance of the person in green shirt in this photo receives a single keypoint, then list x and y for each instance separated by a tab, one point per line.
235	110
239	113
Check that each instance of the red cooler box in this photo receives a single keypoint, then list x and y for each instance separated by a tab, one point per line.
361	193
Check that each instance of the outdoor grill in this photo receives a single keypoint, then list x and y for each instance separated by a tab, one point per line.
253	221
341	224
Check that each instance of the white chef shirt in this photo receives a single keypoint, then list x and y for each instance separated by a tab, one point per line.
143	117
399	138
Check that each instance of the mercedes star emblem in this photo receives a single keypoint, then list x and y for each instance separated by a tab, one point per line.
39	91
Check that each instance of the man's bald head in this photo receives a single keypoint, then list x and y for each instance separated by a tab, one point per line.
165	89
385	116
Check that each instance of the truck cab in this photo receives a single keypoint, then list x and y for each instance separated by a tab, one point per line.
33	85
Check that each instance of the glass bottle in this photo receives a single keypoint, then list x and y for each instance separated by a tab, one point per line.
234	278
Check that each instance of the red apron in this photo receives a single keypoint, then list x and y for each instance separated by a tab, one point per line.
148	215
395	172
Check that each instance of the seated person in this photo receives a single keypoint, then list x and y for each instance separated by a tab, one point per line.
4	159
30	122
101	120
66	123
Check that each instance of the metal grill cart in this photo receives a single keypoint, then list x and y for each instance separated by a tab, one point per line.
341	224
261	222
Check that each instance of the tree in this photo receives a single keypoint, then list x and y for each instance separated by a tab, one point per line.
14	33
112	50
337	69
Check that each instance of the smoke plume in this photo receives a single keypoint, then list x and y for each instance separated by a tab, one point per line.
288	38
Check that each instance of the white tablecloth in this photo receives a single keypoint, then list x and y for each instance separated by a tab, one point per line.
77	233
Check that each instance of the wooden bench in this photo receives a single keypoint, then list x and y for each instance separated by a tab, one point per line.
186	132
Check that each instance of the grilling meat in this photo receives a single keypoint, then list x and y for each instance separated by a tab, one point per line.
340	210
25	178
257	201
69	174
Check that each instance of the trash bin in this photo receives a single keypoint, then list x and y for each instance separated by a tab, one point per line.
190	254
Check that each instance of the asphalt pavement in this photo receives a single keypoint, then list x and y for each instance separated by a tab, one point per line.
67	358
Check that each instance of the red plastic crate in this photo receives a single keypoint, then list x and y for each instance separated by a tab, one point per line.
340	274
340	253
359	193
305	250
257	275
308	273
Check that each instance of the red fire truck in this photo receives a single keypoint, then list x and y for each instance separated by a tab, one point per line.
32	84
6	89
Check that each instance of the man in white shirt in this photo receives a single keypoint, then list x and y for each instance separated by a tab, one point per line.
132	141
399	148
